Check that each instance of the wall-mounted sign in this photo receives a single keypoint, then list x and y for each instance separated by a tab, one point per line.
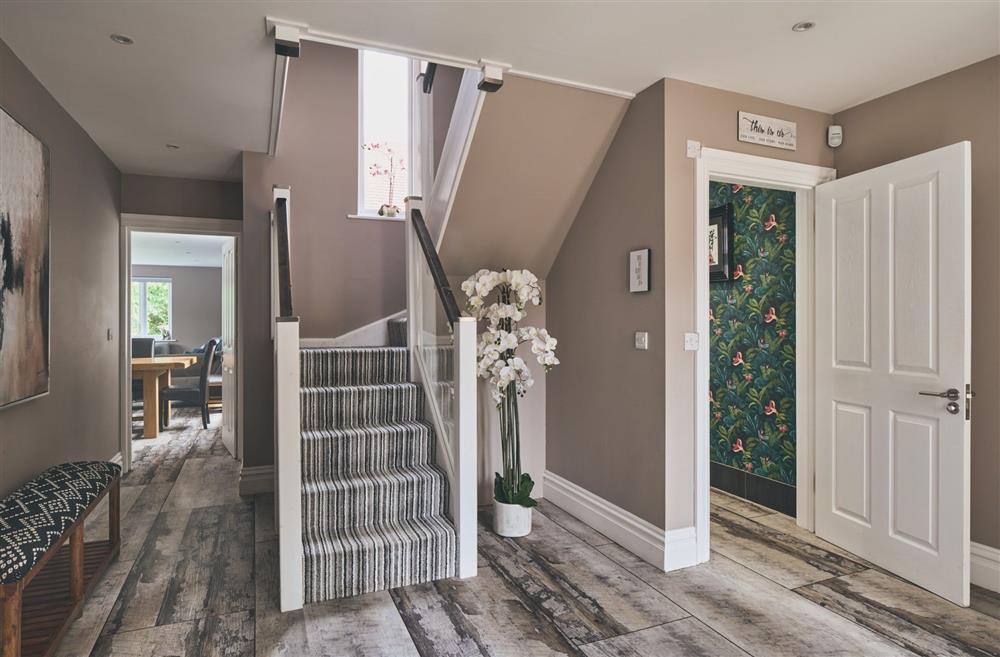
638	270
757	129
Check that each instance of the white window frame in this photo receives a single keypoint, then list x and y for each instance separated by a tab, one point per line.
143	317
372	213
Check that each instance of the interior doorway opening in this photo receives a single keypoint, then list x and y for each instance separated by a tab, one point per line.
786	190
180	327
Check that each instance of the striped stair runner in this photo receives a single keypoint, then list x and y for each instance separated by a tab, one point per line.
373	501
397	332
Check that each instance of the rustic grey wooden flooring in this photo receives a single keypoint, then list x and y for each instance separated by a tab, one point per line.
197	578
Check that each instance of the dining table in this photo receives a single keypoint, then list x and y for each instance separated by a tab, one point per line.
155	375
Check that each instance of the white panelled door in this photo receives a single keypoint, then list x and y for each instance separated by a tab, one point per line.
893	323
229	342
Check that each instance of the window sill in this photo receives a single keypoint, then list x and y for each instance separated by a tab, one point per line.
375	217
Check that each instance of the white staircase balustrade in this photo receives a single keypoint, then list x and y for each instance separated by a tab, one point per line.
443	361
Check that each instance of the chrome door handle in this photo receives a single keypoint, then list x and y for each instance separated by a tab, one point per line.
950	393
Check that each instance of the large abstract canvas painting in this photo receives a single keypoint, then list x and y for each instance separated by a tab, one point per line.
24	263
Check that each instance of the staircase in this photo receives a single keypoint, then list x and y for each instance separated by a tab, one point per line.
373	500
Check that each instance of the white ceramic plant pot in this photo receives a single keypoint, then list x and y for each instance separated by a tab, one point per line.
511	520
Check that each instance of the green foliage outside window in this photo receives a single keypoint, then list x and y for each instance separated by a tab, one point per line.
150	307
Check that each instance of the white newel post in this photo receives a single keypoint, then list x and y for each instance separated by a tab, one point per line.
464	489
288	462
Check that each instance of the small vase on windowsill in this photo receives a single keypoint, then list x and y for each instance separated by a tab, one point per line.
388	210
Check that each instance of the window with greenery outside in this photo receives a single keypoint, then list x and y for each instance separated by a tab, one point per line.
150	303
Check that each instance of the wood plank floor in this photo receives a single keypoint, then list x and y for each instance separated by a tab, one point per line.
197	578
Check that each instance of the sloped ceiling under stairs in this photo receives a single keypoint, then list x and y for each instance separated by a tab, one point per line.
536	150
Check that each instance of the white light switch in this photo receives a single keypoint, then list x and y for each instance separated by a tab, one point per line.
691	342
641	340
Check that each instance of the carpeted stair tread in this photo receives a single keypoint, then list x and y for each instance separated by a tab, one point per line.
386	496
361	560
348	450
336	366
397	332
360	405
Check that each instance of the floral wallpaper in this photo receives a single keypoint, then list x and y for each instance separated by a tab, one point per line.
752	323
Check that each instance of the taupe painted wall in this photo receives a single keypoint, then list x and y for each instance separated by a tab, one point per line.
535	153
707	115
621	422
181	197
963	104
345	272
196	306
79	417
604	416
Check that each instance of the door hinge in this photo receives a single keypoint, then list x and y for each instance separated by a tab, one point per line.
969	394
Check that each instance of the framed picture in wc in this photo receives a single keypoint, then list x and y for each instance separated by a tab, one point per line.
24	263
720	243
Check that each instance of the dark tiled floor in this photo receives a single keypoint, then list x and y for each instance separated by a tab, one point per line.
197	578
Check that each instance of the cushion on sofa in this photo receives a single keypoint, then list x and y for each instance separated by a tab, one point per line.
33	517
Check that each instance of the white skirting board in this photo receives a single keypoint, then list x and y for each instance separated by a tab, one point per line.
668	550
985	562
256	479
375	334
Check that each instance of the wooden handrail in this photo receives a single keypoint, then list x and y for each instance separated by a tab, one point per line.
284	259
434	263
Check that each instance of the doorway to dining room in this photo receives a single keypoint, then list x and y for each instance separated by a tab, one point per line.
180	318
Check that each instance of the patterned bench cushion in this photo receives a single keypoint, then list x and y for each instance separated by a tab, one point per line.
34	516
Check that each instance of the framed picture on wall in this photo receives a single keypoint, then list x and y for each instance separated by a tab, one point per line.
720	243
638	270
24	263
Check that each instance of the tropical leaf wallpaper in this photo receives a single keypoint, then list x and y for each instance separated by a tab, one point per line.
752	324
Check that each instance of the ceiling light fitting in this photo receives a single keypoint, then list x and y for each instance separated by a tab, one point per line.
121	39
173	147
804	26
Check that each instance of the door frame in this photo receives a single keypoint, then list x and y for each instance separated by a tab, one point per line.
147	223
728	166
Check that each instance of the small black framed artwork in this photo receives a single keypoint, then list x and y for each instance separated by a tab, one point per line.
720	243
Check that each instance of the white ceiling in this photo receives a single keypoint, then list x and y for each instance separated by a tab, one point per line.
170	249
199	74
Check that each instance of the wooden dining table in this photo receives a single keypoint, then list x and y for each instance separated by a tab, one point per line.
155	373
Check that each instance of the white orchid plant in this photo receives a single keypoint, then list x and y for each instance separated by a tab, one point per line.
507	373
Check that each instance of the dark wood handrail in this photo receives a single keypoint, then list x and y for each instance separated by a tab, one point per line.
434	263
284	259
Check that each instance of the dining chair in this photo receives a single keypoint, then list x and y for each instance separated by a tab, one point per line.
197	395
141	348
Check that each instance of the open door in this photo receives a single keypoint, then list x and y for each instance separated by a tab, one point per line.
229	346
893	360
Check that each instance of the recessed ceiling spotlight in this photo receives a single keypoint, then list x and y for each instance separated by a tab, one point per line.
173	147
804	26
121	39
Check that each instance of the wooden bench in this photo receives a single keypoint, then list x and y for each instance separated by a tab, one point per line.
44	580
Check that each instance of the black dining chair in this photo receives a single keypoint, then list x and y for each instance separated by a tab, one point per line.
141	348
197	395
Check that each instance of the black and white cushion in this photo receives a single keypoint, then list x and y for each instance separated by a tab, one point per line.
34	516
